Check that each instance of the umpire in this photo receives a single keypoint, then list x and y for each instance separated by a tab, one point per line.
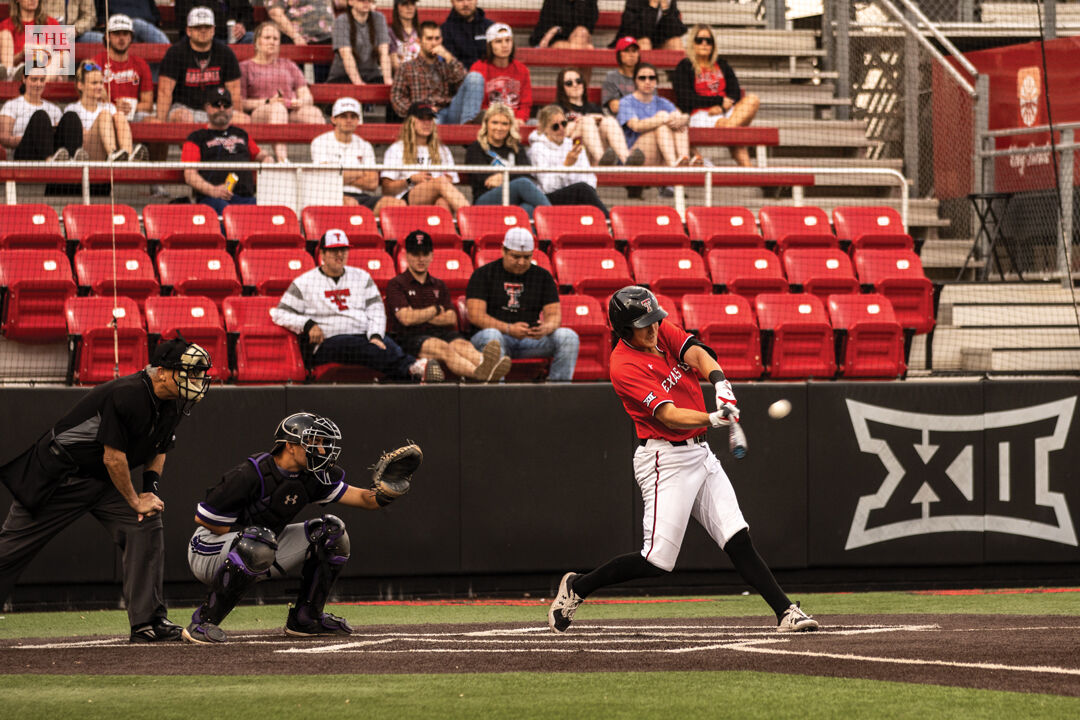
83	464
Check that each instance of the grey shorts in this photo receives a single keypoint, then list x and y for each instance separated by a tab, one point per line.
207	552
198	116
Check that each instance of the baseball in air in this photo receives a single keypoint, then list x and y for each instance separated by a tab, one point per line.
780	409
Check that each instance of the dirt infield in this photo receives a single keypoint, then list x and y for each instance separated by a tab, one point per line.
1019	653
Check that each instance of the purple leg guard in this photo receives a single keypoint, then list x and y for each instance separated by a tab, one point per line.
328	551
250	558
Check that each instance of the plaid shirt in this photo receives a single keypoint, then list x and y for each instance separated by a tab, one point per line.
421	81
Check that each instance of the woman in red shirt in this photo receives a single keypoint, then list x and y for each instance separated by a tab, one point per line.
506	80
13	31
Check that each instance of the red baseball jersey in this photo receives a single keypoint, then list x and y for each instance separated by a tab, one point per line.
644	382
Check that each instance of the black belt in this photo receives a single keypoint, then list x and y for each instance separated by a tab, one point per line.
697	440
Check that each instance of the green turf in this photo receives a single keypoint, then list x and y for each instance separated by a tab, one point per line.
113	622
682	695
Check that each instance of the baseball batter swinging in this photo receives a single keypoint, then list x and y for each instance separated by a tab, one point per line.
653	368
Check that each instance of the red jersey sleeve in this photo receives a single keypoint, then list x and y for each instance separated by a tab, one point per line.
190	152
674	337
253	149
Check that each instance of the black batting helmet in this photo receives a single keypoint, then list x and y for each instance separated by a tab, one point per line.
319	436
633	307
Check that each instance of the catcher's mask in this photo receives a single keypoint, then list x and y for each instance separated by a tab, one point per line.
190	363
318	436
633	307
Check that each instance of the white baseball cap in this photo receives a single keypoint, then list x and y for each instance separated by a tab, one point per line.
496	30
344	105
518	239
335	239
200	16
120	23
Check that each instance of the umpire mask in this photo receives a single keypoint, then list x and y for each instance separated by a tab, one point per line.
189	363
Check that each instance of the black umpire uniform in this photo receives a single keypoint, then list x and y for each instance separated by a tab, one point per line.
78	466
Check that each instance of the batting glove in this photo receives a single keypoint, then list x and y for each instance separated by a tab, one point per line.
727	414
724	394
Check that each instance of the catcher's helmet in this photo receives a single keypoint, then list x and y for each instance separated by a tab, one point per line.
633	307
318	436
191	363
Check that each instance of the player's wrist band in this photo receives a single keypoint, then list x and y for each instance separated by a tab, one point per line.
716	376
150	480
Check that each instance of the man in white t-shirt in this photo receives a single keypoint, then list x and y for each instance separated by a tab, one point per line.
344	148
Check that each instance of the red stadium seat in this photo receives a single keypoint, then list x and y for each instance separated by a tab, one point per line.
271	270
100	226
726	227
672	271
397	222
483	256
265	352
674	309
206	273
36	283
376	263
726	323
184	226
134	273
873	340
802	338
593	271
648	226
796	227
821	271
197	319
262	226
899	276
588	318
572	226
746	271
451	265
486	225
33	226
358	223
871	227
103	351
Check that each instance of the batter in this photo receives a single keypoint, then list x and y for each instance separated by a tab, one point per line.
652	371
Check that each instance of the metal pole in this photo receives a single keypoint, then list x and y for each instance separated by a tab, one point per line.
708	188
911	110
934	52
843	59
505	187
828	38
775	14
1065	183
85	185
932	28
1050	19
982	168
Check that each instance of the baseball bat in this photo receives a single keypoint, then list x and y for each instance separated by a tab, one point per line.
736	438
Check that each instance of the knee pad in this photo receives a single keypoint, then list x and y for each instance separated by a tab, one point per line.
327	535
254	550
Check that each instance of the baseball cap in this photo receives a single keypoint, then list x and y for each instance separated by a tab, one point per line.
334	239
120	23
344	105
421	110
624	42
200	16
496	30
216	94
418	242
518	239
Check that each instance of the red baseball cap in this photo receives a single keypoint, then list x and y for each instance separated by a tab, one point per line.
624	42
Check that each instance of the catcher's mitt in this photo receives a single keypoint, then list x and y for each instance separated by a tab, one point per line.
390	479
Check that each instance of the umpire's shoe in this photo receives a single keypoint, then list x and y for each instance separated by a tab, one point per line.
160	630
326	624
565	605
795	620
204	633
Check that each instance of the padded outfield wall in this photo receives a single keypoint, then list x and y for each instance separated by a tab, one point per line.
534	479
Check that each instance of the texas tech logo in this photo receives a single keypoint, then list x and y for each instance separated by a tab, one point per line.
957	473
1028	85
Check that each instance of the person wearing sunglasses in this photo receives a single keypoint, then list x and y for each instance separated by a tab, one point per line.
551	146
600	134
657	24
652	124
106	132
36	129
565	24
498	144
706	88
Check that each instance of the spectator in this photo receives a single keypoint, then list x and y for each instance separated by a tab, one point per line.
344	148
221	142
706	88
130	84
424	323
404	34
565	24
338	308
603	138
106	133
79	13
506	80
361	45
551	146
192	65
653	125
13	32
655	23
145	18
304	22
36	129
239	12
436	78
464	32
619	82
273	88
498	144
419	145
514	301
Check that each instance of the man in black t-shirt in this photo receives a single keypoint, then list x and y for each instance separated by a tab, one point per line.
83	465
192	65
516	302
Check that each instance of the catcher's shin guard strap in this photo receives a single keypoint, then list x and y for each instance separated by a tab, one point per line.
249	560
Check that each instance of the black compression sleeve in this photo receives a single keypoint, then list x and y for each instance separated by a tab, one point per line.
744	556
620	569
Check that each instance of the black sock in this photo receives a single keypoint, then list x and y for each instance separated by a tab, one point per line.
744	556
617	570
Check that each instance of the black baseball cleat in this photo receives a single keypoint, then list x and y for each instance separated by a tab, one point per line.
160	630
204	633
562	610
324	625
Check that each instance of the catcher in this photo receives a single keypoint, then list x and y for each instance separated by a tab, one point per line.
245	533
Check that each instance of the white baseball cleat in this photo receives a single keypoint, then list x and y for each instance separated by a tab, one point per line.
562	610
795	620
